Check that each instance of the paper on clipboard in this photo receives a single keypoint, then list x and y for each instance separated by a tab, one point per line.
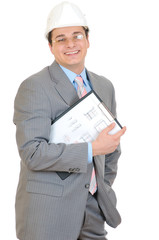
83	121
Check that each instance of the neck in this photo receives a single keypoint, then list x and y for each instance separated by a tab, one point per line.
76	69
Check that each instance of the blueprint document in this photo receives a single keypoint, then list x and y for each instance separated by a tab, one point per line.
83	121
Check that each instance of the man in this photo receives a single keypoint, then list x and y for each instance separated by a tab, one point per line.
54	198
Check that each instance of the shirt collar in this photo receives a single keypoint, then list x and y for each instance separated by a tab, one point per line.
71	75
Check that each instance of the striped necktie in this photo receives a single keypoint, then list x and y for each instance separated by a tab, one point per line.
81	91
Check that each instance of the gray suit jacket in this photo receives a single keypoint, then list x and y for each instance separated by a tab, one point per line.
48	207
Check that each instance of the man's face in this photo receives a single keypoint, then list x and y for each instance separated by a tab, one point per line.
69	47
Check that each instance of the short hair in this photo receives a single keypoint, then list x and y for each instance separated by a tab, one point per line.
86	29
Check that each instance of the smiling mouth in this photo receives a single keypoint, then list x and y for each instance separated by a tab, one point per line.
72	53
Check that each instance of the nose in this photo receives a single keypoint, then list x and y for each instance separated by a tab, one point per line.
70	43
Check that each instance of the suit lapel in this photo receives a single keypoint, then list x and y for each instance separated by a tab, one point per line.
94	83
62	84
65	88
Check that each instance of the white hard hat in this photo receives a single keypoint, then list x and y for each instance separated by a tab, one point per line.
65	14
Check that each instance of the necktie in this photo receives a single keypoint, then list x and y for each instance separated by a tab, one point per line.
81	91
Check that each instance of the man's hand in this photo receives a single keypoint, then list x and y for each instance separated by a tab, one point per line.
105	143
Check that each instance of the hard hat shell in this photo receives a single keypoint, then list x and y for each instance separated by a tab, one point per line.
65	14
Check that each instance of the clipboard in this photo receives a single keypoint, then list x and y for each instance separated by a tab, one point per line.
83	121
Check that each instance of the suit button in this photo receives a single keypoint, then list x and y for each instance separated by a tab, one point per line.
71	169
77	169
87	185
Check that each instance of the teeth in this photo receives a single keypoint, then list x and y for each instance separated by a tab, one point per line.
71	52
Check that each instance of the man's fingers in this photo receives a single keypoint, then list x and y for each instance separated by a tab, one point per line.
116	135
120	133
110	127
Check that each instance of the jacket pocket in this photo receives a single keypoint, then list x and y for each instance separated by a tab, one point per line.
44	188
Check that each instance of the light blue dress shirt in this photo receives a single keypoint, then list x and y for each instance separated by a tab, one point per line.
71	76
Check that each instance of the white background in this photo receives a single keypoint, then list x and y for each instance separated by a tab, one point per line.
124	48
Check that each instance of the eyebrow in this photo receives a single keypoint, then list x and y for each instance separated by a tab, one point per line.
77	33
63	35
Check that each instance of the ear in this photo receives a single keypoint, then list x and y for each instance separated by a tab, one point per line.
50	48
88	43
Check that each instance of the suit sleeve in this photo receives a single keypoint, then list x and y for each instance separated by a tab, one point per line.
32	117
111	160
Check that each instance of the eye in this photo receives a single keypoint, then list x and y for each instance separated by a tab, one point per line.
78	37
61	40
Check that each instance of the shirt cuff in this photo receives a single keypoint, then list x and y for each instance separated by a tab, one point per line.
89	152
